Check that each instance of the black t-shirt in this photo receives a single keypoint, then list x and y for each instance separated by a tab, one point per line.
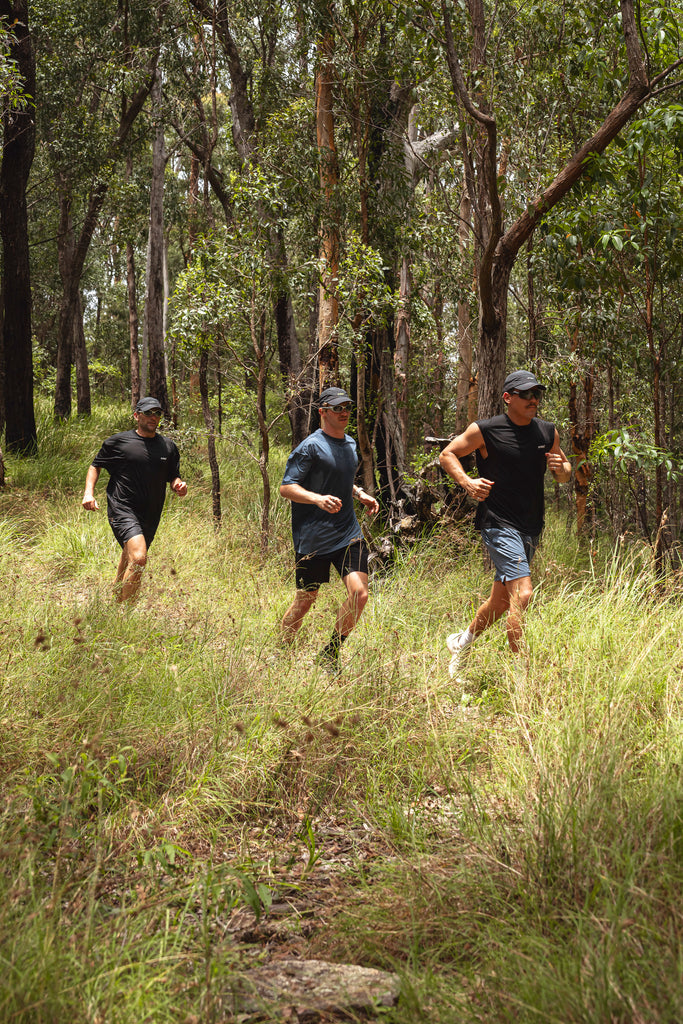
139	470
516	463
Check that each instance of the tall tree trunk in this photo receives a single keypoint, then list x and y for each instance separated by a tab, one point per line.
80	355
154	305
210	438
296	381
298	388
72	278
434	420
402	349
328	354
465	369
133	322
258	337
582	424
16	362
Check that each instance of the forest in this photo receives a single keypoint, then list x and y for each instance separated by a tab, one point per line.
231	206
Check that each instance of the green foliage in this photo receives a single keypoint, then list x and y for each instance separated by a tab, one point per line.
12	86
626	452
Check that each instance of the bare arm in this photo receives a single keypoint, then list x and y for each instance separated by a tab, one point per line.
464	444
558	463
89	501
295	492
371	504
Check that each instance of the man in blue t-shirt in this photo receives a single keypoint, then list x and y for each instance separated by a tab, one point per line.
319	481
140	464
512	452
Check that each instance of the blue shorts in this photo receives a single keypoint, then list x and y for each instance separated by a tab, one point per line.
511	551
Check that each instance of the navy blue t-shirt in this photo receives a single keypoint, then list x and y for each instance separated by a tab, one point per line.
325	465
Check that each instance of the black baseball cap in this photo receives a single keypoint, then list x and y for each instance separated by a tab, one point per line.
332	397
521	380
147	404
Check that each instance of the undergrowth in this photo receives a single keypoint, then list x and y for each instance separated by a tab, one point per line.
513	847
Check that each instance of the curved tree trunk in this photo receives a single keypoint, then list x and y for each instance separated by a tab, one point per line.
502	246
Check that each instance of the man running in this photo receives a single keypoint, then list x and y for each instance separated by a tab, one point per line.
319	481
512	451
140	463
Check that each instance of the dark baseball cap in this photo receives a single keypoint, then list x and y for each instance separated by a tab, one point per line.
521	380
332	397
147	404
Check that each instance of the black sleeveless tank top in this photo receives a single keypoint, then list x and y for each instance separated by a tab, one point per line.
516	463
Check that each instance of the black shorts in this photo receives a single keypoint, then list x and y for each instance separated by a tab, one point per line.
125	527
312	570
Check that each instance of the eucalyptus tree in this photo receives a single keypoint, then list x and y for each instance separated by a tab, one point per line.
96	66
258	47
17	78
223	303
625	243
154	322
492	69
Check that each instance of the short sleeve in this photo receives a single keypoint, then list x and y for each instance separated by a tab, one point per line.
298	466
109	455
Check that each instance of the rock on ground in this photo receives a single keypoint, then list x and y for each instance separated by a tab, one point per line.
312	989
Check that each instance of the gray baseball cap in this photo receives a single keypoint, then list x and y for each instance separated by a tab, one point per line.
332	397
521	380
147	404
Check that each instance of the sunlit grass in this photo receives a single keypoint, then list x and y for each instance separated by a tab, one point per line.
513	847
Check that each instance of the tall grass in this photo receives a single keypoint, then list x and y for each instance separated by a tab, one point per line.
513	847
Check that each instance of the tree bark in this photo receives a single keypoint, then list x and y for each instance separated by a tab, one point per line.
19	130
133	325
80	355
154	306
210	439
73	273
328	311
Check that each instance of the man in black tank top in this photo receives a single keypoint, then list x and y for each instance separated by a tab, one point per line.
512	452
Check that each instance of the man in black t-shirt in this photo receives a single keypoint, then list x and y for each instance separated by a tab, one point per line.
512	451
140	463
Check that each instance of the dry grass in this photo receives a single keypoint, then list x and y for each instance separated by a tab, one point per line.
513	851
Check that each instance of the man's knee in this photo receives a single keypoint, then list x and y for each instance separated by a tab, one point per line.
521	592
305	599
135	551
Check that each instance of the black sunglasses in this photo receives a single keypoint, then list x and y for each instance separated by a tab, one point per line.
531	393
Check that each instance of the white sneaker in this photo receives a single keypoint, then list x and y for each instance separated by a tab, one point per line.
460	654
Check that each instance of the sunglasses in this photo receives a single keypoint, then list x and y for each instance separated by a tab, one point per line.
338	408
531	393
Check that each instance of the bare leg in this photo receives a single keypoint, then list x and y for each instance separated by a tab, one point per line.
512	598
350	611
129	573
296	613
496	604
520	592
